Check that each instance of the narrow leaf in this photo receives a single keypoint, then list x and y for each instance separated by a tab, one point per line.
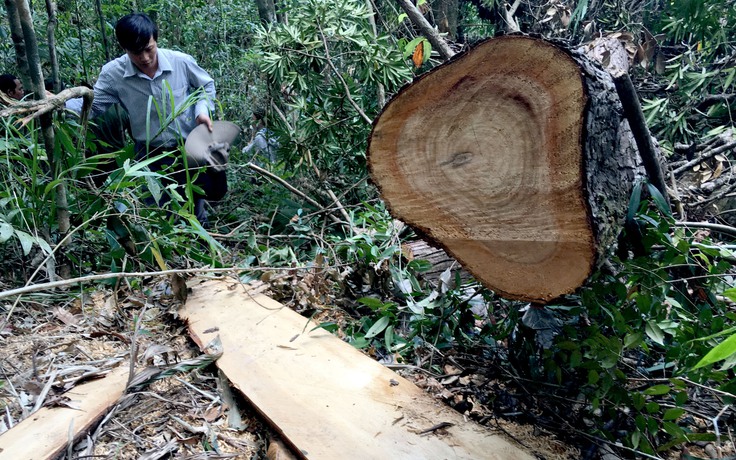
721	351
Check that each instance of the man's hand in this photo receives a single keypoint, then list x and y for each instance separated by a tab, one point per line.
204	119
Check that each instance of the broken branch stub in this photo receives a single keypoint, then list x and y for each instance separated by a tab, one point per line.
515	158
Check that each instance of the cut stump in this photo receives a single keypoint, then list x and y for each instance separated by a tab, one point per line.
513	157
325	398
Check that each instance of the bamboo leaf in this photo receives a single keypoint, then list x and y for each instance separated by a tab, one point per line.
721	351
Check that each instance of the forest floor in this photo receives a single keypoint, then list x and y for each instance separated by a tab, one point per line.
184	413
190	412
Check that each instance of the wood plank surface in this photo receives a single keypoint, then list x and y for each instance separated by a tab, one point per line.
327	399
45	433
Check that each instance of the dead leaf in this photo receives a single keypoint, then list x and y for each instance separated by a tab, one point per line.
212	414
418	56
278	451
65	317
719	169
179	287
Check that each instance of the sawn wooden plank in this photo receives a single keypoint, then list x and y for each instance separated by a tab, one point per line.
326	398
44	435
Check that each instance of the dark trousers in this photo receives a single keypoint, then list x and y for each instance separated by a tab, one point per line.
213	183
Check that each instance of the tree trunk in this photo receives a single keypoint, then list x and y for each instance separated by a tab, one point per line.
445	16
47	129
51	39
516	159
16	34
103	29
266	11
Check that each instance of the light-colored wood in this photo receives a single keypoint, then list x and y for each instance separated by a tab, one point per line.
484	156
327	399
45	434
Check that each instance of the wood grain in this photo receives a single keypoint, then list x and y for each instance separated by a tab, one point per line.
484	155
325	398
44	435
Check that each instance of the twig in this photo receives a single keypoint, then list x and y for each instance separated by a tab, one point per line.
134	342
342	80
294	190
105	276
192	387
715	227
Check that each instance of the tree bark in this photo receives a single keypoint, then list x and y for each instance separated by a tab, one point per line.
103	29
51	39
516	159
266	11
16	34
47	129
445	16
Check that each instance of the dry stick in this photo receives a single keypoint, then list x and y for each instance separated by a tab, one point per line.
342	80
134	342
292	189
704	156
426	28
715	227
105	276
637	123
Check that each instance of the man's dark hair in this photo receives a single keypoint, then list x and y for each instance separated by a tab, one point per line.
7	82
134	31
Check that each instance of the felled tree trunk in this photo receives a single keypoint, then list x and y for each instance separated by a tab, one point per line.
516	159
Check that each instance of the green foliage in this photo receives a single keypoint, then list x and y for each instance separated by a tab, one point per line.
326	66
633	340
697	45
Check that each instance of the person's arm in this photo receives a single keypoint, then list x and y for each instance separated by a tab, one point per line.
199	78
106	94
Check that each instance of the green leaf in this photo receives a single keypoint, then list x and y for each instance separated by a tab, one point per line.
721	351
633	339
329	326
673	414
26	241
731	294
371	302
419	265
657	390
635	438
659	200
654	332
634	202
6	231
378	327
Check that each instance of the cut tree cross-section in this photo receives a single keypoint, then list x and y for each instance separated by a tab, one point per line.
515	158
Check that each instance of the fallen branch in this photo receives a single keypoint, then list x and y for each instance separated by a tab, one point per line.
637	123
106	276
707	154
293	190
51	103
